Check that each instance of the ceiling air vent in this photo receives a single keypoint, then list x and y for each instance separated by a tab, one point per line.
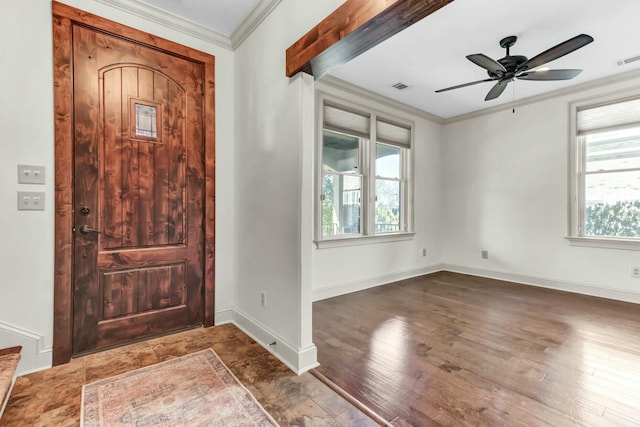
628	60
400	86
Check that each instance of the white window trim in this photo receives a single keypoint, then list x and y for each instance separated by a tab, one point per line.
337	242
576	189
368	156
604	242
406	207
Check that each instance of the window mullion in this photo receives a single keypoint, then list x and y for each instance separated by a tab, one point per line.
581	167
369	154
404	190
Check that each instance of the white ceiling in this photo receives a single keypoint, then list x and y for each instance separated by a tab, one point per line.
222	16
431	54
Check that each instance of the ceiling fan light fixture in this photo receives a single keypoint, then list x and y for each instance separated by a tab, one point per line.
513	67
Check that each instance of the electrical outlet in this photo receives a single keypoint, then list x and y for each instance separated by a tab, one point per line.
484	254
424	252
263	299
635	272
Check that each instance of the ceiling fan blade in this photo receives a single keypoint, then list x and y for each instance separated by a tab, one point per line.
544	75
556	52
487	63
464	85
497	90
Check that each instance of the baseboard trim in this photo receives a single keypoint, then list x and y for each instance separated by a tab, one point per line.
371	282
34	356
543	282
298	360
37	358
223	317
523	279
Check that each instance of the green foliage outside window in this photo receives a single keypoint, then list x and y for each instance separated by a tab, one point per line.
621	219
387	206
327	205
387	220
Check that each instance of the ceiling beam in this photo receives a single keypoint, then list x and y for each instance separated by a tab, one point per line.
353	28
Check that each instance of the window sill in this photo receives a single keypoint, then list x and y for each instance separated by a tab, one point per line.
363	240
604	242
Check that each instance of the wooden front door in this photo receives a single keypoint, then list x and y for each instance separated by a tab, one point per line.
138	193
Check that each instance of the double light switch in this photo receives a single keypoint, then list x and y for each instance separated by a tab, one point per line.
28	174
31	200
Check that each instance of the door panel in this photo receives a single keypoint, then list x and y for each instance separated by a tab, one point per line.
144	177
138	182
127	292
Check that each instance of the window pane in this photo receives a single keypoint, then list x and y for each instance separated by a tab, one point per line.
146	121
612	204
341	204
387	161
613	150
340	152
387	206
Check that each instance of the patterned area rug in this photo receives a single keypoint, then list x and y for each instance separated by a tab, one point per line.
193	390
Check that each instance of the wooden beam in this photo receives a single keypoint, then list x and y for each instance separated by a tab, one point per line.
353	28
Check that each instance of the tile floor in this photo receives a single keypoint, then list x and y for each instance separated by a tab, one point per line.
52	397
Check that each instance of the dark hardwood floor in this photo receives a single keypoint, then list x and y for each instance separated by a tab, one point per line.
456	350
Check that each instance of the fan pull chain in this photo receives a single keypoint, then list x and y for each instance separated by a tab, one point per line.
513	98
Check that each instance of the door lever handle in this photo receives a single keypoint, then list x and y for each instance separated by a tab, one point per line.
85	229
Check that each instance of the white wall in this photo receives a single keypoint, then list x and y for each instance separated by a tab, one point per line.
26	114
339	270
270	135
496	182
505	190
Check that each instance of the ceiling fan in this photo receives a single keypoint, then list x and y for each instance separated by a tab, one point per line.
513	67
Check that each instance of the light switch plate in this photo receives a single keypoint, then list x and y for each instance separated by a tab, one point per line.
31	200
30	174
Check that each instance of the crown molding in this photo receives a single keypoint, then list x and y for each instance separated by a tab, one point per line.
593	84
347	87
252	21
159	16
